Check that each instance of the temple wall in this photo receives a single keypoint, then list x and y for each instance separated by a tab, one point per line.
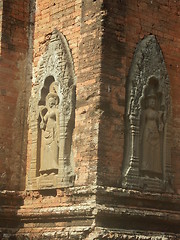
13	71
101	36
81	26
126	23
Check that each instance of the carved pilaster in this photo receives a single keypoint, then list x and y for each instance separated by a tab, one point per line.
131	177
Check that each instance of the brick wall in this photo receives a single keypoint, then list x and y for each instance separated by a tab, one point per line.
80	24
126	23
88	93
111	138
1	13
14	46
119	26
49	15
102	36
161	19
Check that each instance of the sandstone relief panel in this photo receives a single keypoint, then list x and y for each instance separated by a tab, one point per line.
49	125
51	118
147	161
151	133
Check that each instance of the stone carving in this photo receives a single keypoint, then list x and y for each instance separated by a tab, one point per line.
147	163
51	117
151	140
49	126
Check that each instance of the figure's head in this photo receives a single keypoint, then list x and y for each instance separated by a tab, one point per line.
151	98
151	102
52	99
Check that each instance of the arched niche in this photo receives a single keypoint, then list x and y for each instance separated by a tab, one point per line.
51	118
147	161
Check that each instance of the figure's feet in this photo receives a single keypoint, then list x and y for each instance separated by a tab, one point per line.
53	173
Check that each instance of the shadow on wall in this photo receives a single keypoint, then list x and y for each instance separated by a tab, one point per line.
15	88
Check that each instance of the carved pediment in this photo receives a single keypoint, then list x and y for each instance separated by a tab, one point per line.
148	62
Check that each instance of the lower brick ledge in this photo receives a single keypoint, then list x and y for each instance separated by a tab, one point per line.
95	189
87	233
98	213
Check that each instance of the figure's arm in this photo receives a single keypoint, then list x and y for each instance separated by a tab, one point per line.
46	117
43	113
160	121
57	125
143	121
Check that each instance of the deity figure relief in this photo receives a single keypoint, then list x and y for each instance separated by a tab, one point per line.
49	126
147	145
151	137
52	117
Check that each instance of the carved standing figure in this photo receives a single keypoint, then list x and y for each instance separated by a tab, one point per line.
49	126
151	140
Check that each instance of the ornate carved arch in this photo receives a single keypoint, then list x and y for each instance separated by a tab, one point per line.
147	79
52	121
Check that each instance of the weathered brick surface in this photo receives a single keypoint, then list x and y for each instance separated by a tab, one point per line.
14	48
81	25
111	138
88	93
162	24
126	23
1	13
76	23
102	36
